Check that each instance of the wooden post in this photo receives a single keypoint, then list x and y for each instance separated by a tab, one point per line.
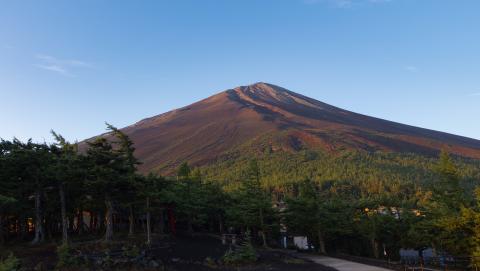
39	231
108	219
64	214
131	221
149	230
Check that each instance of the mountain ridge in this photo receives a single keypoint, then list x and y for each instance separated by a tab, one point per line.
203	131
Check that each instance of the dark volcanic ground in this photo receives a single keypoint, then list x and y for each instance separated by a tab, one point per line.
175	254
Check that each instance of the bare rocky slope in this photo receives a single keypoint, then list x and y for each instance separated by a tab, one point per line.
202	132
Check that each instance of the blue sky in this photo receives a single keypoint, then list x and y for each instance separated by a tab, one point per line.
71	65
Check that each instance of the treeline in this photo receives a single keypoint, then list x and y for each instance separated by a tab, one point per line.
47	191
356	167
370	204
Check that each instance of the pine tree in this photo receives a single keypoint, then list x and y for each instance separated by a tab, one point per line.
304	215
447	190
105	177
152	190
183	171
126	150
68	173
252	207
6	186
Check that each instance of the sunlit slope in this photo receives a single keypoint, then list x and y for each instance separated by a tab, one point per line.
279	120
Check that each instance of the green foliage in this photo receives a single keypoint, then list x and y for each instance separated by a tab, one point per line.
303	215
447	191
351	201
125	149
6	200
476	257
244	254
393	174
105	166
132	251
66	258
459	232
11	263
250	206
184	171
209	262
409	196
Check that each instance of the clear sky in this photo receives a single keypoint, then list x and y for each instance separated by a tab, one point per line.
72	65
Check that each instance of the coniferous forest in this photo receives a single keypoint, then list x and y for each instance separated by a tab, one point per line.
240	135
352	203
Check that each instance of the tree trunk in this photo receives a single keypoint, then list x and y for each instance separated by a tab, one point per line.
131	219
71	223
48	226
321	243
23	227
211	225
434	250
262	231
2	237
100	223
375	248
91	226
149	233
39	231
220	224
81	223
264	238
190	225
161	224
108	219
63	208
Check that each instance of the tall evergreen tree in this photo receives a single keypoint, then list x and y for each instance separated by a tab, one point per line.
252	208
126	150
104	177
304	214
68	173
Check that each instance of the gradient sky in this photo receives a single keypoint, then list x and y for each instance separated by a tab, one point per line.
72	65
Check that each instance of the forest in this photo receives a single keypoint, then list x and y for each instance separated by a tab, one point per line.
358	203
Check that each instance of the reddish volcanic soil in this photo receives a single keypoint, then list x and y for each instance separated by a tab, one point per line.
203	131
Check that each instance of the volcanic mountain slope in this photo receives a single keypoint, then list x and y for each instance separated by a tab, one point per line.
204	131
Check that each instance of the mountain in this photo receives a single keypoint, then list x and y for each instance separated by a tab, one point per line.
268	117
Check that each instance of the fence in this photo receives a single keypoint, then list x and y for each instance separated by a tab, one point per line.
441	263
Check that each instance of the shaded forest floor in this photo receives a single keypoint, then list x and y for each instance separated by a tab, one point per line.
182	253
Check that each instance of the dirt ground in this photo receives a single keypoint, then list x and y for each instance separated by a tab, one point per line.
199	253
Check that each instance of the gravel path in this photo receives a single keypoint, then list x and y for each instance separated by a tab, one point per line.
341	265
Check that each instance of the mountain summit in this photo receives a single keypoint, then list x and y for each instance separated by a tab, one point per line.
277	119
